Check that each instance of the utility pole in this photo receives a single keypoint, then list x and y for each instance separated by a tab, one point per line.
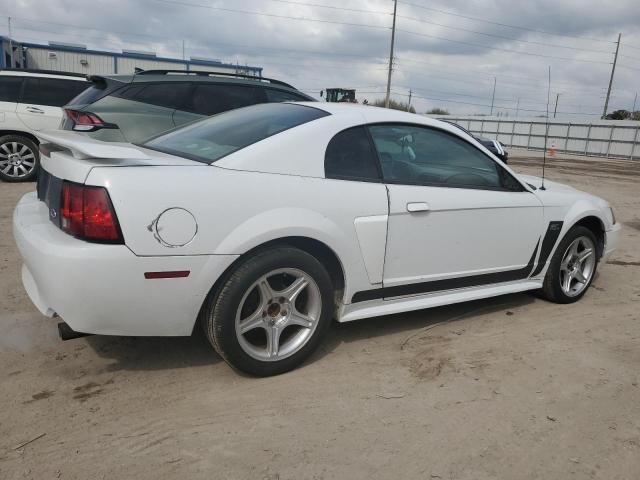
393	39
517	106
555	109
183	57
409	104
493	97
10	45
633	109
613	70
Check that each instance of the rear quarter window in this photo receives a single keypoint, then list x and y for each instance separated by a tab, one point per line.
213	138
10	88
213	98
52	92
162	94
274	96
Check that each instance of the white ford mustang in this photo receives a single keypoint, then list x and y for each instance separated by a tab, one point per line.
264	223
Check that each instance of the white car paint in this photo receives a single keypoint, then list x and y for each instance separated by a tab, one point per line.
273	189
29	117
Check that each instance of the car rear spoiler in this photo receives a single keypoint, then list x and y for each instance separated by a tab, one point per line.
83	146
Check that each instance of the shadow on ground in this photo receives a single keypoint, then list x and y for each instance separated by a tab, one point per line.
158	353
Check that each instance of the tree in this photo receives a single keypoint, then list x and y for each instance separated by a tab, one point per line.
619	115
438	111
395	105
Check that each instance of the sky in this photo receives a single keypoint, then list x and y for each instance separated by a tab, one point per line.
447	52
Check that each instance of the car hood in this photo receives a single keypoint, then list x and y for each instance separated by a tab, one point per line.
536	182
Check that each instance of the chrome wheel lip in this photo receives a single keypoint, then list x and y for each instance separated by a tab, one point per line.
277	319
17	160
577	266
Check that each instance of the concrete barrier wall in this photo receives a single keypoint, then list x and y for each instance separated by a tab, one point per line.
611	138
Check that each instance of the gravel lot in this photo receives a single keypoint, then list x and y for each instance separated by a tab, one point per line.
507	388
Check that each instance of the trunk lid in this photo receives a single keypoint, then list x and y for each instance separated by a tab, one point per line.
71	156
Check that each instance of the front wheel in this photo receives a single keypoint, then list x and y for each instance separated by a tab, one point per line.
572	267
271	312
19	158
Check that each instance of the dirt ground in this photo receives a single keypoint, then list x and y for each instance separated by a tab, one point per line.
507	388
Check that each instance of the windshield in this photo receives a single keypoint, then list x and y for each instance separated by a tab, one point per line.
211	139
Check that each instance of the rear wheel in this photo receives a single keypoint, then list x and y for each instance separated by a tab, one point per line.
572	267
19	158
271	312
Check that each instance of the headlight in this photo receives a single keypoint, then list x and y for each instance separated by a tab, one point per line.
613	216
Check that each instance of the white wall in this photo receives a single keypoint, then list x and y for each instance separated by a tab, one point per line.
604	138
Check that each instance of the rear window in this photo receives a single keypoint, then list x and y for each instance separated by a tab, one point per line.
51	91
10	88
90	95
213	138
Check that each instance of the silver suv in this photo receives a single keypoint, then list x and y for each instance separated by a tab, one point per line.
133	108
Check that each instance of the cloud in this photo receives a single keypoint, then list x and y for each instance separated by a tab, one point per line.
444	63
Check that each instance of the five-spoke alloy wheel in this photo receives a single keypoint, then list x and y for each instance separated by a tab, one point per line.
270	312
572	267
577	266
285	306
18	158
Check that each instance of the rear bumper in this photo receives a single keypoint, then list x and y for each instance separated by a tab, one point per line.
102	289
612	238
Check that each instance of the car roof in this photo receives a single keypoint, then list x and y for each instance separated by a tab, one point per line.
205	77
43	74
380	114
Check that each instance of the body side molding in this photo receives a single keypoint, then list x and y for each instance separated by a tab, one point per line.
448	283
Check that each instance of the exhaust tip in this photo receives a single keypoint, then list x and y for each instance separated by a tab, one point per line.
68	333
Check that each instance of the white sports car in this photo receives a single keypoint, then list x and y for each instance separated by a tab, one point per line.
264	223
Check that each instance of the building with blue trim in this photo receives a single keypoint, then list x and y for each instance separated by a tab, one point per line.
66	57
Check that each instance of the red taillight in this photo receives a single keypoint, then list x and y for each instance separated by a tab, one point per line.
86	212
84	121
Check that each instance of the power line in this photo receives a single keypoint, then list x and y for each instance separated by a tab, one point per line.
332	7
627	66
164	38
272	15
501	75
444	12
502	49
631	58
504	37
488	106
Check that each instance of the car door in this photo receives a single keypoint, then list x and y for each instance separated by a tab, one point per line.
456	217
42	98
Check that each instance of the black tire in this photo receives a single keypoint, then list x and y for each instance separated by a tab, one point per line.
218	315
6	145
551	289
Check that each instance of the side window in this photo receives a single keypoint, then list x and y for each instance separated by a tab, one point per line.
350	156
51	91
10	88
420	155
210	98
168	94
274	96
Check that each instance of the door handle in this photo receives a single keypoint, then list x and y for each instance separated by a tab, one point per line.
417	207
34	110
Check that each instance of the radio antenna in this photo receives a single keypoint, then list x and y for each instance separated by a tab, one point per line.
546	131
